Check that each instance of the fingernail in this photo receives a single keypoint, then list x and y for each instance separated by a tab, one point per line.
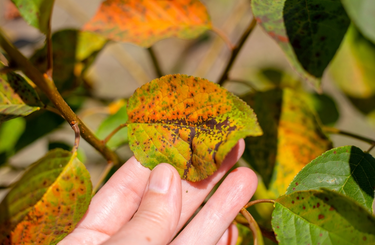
160	179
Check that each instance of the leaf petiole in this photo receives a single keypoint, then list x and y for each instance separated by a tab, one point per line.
224	37
331	130
254	227
259	201
155	61
114	132
77	136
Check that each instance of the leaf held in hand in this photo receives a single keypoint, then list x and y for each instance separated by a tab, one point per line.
144	22
47	202
347	170
17	97
321	217
188	122
309	32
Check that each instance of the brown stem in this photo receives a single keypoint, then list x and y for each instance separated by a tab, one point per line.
266	233
259	201
49	50
370	149
77	137
331	130
46	85
155	61
223	36
253	225
114	132
235	52
52	109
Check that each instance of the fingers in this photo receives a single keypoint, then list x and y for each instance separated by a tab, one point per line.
112	206
157	217
229	237
193	194
218	213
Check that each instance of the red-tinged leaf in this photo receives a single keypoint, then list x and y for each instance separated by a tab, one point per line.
47	202
17	97
187	122
144	22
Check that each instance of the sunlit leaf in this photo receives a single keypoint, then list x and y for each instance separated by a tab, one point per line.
353	70
321	217
144	22
309	32
47	202
362	14
73	52
347	170
17	97
110	124
292	137
188	122
36	12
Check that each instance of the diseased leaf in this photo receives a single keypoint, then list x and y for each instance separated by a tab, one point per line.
73	52
144	22
321	217
361	12
187	122
36	12
47	202
309	32
292	137
347	170
17	97
353	70
110	124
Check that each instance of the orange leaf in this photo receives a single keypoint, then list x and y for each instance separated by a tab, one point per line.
145	22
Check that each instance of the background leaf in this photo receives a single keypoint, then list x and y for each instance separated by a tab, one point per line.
10	132
309	32
292	137
324	106
362	14
188	122
347	170
144	22
110	124
73	53
17	97
47	202
36	12
321	217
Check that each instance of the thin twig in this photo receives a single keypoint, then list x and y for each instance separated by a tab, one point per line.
259	201
370	149
102	178
77	137
235	51
47	86
52	109
155	61
253	225
331	130
6	70
114	132
246	83
266	233
49	71
224	37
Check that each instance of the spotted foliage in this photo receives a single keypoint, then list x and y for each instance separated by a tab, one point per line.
188	122
47	202
145	22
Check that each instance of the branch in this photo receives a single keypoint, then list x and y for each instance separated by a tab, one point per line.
253	225
235	52
114	132
46	85
259	201
49	49
155	62
223	36
342	132
77	137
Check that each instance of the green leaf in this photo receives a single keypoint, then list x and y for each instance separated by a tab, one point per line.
309	32
73	53
47	202
325	107
36	12
10	132
66	146
144	22
321	217
353	70
362	14
188	122
347	170
292	137
17	97
110	124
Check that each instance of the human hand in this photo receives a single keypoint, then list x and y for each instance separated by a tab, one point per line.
139	206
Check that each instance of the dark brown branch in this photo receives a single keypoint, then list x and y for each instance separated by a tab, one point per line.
330	130
155	61
235	52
